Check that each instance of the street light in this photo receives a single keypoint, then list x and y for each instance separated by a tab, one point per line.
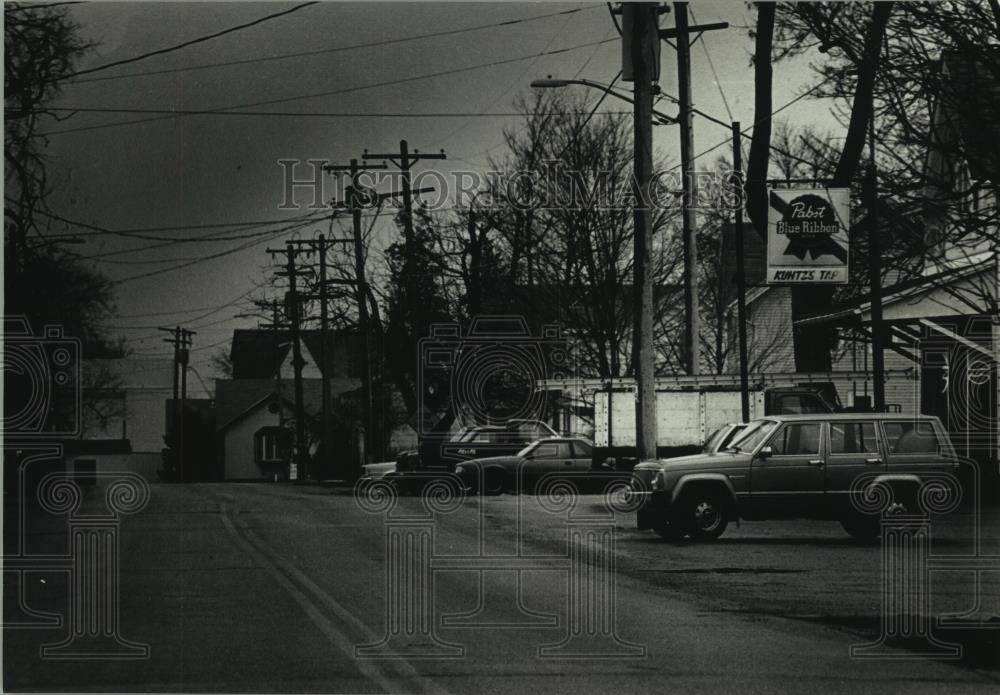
557	83
643	16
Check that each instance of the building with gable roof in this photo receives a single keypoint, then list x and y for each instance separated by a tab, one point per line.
255	409
945	319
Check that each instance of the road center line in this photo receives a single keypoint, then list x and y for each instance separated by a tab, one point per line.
283	572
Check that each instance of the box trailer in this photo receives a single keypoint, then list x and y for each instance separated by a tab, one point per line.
685	419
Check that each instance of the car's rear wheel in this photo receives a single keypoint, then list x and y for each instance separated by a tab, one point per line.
869	526
703	514
864	527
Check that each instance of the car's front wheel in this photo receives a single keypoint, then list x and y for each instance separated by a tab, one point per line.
493	482
703	514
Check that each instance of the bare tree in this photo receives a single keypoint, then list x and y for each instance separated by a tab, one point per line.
802	25
562	225
43	282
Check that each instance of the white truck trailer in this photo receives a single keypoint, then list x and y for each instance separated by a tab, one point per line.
690	408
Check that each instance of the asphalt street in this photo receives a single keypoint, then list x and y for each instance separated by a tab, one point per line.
284	588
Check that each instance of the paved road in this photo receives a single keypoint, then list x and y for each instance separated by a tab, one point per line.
271	588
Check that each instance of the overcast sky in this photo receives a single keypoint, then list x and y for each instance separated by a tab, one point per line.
214	169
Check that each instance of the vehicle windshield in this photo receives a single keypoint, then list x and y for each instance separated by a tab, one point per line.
527	450
477	434
713	439
750	438
732	436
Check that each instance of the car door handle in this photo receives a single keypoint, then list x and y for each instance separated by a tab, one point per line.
815	462
873	461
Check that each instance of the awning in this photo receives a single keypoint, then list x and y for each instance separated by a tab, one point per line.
962	291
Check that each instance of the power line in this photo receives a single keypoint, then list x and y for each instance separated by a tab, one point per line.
160	245
149	354
172	313
513	82
590	114
309	114
324	51
32	6
614	19
343	90
200	39
242	247
293	227
553	113
144	262
189	323
140	233
716	146
711	65
200	380
773	113
211	309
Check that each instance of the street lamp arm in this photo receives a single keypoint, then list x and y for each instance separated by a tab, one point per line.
555	83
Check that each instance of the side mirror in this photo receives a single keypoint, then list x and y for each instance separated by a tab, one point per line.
766	452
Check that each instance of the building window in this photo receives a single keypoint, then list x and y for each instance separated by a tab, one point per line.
271	444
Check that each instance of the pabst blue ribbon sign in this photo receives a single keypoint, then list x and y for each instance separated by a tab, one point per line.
807	236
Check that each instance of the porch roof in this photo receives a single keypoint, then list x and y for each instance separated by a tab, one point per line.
952	292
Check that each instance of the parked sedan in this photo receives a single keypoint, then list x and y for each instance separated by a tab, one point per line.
565	458
376	471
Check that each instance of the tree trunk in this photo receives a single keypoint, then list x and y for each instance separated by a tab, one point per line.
813	344
861	113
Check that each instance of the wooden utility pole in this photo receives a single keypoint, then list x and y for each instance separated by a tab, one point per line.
692	322
641	20
741	280
321	245
276	326
875	279
324	359
355	206
405	161
301	453
181	341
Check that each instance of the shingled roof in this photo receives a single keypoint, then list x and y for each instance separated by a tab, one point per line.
235	398
257	353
